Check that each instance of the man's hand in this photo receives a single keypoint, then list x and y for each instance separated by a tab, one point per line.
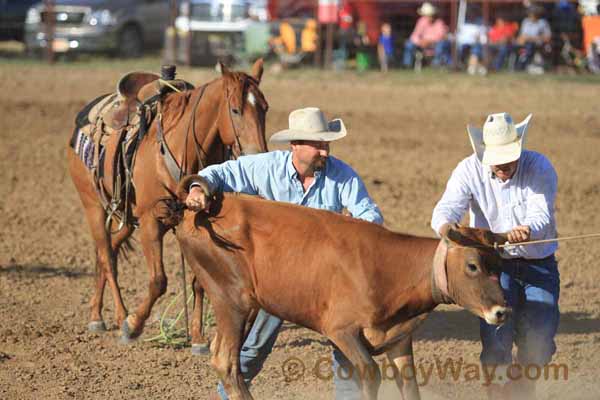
520	233
197	200
444	229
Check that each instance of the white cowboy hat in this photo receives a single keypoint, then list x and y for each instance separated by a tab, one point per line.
310	124
427	10
500	141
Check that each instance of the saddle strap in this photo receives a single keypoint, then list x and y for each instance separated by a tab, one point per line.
170	161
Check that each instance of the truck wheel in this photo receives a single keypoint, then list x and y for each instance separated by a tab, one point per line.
131	43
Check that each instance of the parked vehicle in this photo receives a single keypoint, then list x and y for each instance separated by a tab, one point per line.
216	28
12	18
121	27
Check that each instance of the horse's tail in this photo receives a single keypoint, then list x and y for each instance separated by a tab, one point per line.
127	248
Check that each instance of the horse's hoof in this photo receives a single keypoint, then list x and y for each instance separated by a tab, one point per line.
126	337
200	349
96	326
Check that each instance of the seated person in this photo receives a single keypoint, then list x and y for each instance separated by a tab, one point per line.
429	32
308	39
285	43
566	33
593	55
470	39
500	40
591	41
535	34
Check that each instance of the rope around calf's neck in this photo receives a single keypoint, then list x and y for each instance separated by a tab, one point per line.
560	239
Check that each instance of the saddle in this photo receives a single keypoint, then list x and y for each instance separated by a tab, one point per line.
127	114
134	89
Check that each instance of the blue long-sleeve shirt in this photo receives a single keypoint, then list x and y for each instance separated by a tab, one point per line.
273	176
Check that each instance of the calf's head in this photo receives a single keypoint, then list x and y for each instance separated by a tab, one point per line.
472	268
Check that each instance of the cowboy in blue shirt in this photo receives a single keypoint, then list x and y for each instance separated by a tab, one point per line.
307	175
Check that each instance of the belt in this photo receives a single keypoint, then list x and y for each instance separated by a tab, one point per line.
530	260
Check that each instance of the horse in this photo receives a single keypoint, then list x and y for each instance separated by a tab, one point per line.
362	286
193	129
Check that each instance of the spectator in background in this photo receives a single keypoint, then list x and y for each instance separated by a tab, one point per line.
308	40
346	34
470	39
566	30
535	34
385	47
591	34
362	43
429	32
593	55
285	43
501	37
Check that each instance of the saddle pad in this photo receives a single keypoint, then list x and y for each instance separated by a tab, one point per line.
84	148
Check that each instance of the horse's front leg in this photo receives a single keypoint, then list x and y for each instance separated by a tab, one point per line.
151	238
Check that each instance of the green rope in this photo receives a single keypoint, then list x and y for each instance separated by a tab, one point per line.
168	334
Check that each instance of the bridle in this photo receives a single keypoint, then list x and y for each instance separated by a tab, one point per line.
176	170
248	83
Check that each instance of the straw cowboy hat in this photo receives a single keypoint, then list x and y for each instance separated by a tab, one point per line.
310	124
500	141
427	10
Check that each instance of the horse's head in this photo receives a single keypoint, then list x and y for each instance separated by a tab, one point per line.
472	267
242	114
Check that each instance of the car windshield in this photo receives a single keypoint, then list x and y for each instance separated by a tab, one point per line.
218	11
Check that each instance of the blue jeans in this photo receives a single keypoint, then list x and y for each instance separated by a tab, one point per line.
442	53
502	53
531	288
475	49
525	59
258	346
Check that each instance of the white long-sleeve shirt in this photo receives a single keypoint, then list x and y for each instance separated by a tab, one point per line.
526	199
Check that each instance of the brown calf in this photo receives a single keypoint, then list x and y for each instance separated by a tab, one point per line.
364	287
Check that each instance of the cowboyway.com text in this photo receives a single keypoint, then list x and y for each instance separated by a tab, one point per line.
457	369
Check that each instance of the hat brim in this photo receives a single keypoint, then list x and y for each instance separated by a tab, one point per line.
498	155
336	130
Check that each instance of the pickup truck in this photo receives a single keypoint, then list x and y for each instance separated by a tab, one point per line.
121	27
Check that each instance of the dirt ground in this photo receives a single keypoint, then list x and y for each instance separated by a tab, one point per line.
406	134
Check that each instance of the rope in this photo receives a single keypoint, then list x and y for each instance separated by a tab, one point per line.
185	296
166	83
168	334
564	238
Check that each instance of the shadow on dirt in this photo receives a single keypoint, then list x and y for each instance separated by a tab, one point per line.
462	325
44	271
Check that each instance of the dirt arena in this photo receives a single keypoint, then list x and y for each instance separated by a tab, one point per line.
406	134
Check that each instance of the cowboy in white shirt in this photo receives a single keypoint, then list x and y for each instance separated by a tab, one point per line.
511	190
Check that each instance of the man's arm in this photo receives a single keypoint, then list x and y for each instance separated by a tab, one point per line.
356	199
454	202
546	33
540	205
232	176
417	35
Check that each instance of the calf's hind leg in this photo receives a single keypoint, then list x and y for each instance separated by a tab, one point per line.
225	350
199	342
365	368
401	355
